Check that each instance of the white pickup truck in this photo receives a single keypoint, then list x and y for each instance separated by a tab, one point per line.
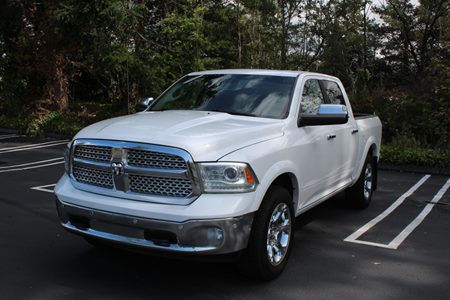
222	162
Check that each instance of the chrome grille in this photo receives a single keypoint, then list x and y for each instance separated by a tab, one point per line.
136	170
148	159
173	187
93	176
95	153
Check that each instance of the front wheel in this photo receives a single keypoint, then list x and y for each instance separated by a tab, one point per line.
360	194
271	239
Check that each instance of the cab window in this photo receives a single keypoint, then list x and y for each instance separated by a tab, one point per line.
312	97
333	92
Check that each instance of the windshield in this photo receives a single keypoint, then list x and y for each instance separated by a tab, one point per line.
248	95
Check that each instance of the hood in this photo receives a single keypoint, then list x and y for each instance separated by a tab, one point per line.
207	136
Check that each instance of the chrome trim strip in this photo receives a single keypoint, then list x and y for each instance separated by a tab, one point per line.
156	172
134	241
92	164
138	146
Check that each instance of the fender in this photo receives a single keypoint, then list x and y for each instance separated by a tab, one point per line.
363	155
276	170
264	158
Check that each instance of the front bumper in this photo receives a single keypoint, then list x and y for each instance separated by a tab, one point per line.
210	236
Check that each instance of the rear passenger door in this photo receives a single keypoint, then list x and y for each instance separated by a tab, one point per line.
343	148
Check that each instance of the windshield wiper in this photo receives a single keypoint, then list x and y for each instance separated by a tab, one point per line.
241	114
236	113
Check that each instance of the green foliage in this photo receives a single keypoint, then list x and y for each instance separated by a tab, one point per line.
39	125
11	122
393	154
77	62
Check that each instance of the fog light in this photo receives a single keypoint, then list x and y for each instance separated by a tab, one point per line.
215	236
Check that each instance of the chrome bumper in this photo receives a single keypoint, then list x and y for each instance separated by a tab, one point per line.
214	236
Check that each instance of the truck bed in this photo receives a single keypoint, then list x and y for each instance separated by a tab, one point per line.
358	116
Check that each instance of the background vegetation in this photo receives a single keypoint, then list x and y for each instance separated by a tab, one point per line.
67	63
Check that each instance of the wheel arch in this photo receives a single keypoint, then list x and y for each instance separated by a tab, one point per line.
289	181
284	177
372	149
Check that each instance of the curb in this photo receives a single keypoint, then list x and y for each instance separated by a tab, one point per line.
415	169
9	130
48	134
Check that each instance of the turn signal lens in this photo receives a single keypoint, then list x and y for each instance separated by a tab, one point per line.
249	176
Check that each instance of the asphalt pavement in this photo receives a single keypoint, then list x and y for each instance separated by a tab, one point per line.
398	248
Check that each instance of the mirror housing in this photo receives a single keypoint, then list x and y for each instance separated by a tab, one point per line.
144	104
328	114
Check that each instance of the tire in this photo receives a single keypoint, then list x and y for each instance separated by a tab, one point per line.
360	194
260	260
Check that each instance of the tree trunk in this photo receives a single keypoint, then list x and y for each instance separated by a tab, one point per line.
238	8
57	89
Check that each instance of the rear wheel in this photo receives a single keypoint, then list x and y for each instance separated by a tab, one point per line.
360	194
271	239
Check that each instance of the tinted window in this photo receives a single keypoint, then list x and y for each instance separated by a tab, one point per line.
311	97
253	95
333	92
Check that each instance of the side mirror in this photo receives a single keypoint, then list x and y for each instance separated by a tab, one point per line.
144	104
328	114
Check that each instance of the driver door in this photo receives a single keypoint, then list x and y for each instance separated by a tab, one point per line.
314	146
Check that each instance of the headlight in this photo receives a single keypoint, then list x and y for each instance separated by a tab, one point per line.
227	177
67	158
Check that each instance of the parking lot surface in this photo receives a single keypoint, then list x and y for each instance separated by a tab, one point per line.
398	248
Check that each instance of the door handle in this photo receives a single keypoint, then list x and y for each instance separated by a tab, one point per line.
331	136
354	131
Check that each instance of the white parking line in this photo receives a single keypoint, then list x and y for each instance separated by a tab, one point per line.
44	188
410	228
33	167
8	136
31	163
353	238
32	146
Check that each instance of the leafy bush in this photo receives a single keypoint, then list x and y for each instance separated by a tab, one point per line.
393	154
11	122
53	122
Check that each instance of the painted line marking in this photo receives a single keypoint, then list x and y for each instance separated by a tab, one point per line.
353	238
31	163
32	167
416	222
48	188
389	210
8	136
29	147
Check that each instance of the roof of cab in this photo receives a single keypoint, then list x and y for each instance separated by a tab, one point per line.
286	73
250	72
